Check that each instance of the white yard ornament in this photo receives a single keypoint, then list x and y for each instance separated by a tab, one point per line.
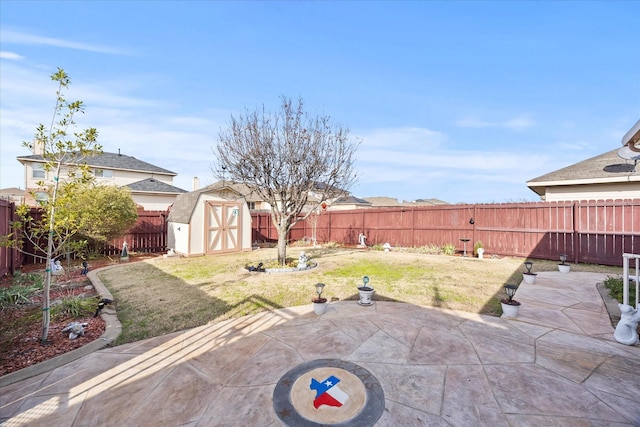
302	260
627	330
56	268
75	329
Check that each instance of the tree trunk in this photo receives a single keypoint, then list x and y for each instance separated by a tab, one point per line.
46	305
282	246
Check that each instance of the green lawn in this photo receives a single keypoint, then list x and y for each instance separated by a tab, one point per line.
160	296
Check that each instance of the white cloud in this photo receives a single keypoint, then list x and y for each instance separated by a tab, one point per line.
415	163
137	125
5	54
400	138
20	38
516	123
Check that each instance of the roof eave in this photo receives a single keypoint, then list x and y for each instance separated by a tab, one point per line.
159	193
584	181
24	159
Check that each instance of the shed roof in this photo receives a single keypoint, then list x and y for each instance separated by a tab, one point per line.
185	203
111	161
604	168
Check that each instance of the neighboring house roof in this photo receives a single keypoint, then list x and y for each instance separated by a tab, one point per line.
383	201
426	202
185	203
322	186
349	200
13	194
252	196
11	191
151	185
391	202
602	169
240	189
110	161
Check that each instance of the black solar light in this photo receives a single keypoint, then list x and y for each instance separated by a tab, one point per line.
528	265
510	290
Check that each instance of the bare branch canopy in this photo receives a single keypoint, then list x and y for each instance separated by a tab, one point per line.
285	157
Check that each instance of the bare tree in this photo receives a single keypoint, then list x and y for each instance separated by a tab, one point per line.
288	158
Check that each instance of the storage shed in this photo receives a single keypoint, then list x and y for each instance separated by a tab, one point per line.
206	222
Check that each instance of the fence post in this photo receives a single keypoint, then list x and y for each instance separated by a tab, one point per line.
473	232
575	234
413	226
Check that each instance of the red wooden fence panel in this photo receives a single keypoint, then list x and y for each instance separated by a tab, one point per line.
148	235
589	231
10	259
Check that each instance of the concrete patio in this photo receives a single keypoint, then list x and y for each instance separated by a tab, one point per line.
557	364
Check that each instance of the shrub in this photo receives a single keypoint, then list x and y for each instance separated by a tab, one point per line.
377	247
477	246
615	286
15	295
22	288
75	307
28	279
449	249
431	249
306	241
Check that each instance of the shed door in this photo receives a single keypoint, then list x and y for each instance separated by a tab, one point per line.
223	227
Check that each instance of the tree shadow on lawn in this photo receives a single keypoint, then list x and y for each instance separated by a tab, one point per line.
151	302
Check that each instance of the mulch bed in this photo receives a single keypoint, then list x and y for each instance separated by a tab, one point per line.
21	346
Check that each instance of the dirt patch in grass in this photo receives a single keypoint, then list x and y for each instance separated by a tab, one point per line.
160	296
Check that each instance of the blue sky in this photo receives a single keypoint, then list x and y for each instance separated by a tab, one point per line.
461	101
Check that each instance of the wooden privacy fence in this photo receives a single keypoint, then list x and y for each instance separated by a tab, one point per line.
10	259
149	234
588	231
591	231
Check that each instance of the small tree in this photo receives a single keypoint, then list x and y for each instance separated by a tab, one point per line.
104	213
290	159
313	217
61	152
